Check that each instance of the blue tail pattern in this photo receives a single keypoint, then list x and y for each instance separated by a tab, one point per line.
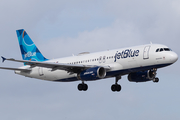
28	49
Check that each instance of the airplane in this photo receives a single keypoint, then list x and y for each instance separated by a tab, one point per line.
140	63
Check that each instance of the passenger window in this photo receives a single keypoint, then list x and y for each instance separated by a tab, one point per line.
104	59
100	58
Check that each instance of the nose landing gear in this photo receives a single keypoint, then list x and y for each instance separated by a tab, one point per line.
156	80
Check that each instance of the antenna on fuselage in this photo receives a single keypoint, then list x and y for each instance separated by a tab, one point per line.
150	42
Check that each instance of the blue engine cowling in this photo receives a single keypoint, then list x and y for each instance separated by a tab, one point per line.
92	74
142	76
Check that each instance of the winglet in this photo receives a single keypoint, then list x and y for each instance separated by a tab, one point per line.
3	58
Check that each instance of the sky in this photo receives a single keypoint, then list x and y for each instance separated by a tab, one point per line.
61	28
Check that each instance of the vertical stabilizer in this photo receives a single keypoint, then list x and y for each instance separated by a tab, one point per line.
28	49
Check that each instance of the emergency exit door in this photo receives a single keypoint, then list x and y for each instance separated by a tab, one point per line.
40	70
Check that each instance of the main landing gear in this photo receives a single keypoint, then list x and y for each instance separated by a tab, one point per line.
82	86
116	86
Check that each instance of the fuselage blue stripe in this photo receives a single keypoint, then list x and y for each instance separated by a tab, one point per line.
119	72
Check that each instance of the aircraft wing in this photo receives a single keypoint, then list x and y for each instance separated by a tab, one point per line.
75	68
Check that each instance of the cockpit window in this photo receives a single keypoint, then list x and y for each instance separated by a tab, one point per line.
157	50
167	49
161	49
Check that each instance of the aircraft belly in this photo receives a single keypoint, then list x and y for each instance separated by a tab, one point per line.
58	74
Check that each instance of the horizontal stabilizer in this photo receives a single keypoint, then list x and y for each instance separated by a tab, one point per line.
3	58
19	69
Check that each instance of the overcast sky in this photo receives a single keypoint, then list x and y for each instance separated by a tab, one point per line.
61	28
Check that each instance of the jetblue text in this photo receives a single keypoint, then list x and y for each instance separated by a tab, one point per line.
126	53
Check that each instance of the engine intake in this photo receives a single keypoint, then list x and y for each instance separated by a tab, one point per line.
92	74
142	76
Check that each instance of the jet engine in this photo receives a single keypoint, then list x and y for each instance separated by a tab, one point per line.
92	74
142	76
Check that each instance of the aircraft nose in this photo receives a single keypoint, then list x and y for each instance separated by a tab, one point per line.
174	57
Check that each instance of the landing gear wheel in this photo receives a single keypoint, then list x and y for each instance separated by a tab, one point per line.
82	86
113	88
156	80
85	87
116	87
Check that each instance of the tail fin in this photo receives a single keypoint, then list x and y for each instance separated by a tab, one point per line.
28	49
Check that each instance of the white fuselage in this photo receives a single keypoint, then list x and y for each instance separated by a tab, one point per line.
121	61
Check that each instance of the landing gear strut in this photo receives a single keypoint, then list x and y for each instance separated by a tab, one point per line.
116	86
82	86
156	79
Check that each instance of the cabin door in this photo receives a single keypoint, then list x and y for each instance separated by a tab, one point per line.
146	52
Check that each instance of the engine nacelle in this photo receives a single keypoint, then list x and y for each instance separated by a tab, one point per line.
92	74
142	76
